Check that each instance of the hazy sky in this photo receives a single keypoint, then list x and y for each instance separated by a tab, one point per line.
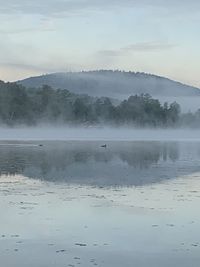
154	36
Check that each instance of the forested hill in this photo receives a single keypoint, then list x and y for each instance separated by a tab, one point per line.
30	106
114	84
19	105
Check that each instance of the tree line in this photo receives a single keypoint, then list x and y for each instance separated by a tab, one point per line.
30	106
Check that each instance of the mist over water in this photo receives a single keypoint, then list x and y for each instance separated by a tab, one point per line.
58	132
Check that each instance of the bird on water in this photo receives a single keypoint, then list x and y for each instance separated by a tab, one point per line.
104	146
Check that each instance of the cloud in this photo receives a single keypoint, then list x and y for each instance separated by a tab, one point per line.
137	47
148	47
27	67
54	7
109	53
26	30
74	7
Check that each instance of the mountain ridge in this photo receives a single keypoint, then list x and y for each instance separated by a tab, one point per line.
115	84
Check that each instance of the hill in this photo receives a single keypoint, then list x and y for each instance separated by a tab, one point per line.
114	84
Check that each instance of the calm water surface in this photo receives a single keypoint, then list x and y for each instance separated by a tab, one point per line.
78	204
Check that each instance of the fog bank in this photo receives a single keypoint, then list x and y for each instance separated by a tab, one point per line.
97	134
187	104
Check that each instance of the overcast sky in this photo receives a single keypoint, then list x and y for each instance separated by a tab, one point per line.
153	36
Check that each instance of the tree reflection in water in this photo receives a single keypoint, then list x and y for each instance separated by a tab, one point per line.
120	164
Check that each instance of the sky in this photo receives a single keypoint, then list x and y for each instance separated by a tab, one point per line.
153	36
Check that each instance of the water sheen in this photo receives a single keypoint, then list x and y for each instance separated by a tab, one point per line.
80	204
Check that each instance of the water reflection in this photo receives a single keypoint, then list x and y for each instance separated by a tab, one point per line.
121	163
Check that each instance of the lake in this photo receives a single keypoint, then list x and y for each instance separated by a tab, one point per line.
76	203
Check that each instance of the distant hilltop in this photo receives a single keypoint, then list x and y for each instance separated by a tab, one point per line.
114	84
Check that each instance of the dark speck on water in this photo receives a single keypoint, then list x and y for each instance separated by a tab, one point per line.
104	146
81	244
